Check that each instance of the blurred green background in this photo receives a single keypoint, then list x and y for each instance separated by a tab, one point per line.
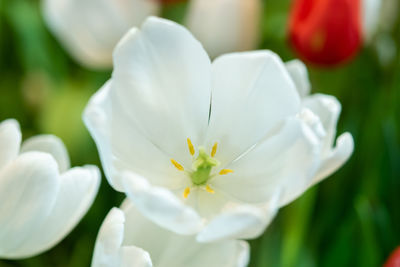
350	219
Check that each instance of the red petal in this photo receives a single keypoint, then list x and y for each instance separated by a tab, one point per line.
325	32
394	259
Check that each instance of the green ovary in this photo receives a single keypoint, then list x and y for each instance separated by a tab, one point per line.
202	167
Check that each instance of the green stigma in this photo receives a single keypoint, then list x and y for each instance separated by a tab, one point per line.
202	167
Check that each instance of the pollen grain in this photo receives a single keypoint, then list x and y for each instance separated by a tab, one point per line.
209	189
225	171
190	146
186	192
214	149
177	165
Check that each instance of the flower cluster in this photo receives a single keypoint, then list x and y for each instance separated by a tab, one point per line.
206	151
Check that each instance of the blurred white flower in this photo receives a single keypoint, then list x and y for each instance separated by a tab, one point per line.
213	149
89	29
41	199
323	119
126	238
224	26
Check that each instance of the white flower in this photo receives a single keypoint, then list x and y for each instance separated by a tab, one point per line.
213	149
224	26
89	29
327	110
41	198
126	238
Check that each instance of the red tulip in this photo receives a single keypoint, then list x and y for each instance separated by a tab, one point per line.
394	259
325	32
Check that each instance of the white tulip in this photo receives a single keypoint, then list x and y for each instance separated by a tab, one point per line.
126	238
89	29
327	108
41	199
222	174
224	26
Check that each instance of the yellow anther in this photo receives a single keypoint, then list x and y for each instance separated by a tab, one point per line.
177	165
225	171
186	192
191	147
209	189
214	149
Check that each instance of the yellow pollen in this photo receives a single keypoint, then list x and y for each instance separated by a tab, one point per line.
209	189
214	149
186	192
225	171
191	147
177	165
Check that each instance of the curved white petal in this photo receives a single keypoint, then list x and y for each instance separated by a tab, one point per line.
161	206
252	92
28	190
298	71
50	144
162	83
158	97
284	161
169	249
240	222
78	188
122	146
10	140
336	157
109	251
230	25
89	29
328	109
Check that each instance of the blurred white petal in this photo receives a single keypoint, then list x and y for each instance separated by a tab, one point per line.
50	144
10	140
225	26
126	238
90	29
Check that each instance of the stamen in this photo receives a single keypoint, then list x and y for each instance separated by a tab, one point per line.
209	189
214	149
191	147
177	165
186	192
225	171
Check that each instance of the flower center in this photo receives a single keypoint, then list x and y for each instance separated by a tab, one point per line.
201	168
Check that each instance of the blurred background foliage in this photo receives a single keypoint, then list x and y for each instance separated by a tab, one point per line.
350	219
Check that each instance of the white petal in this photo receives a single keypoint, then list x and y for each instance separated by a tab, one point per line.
122	146
161	206
240	222
370	13
252	92
336	157
169	249
328	109
231	25
78	188
298	71
133	256
28	190
285	161
162	83
10	140
50	144
90	29
109	251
